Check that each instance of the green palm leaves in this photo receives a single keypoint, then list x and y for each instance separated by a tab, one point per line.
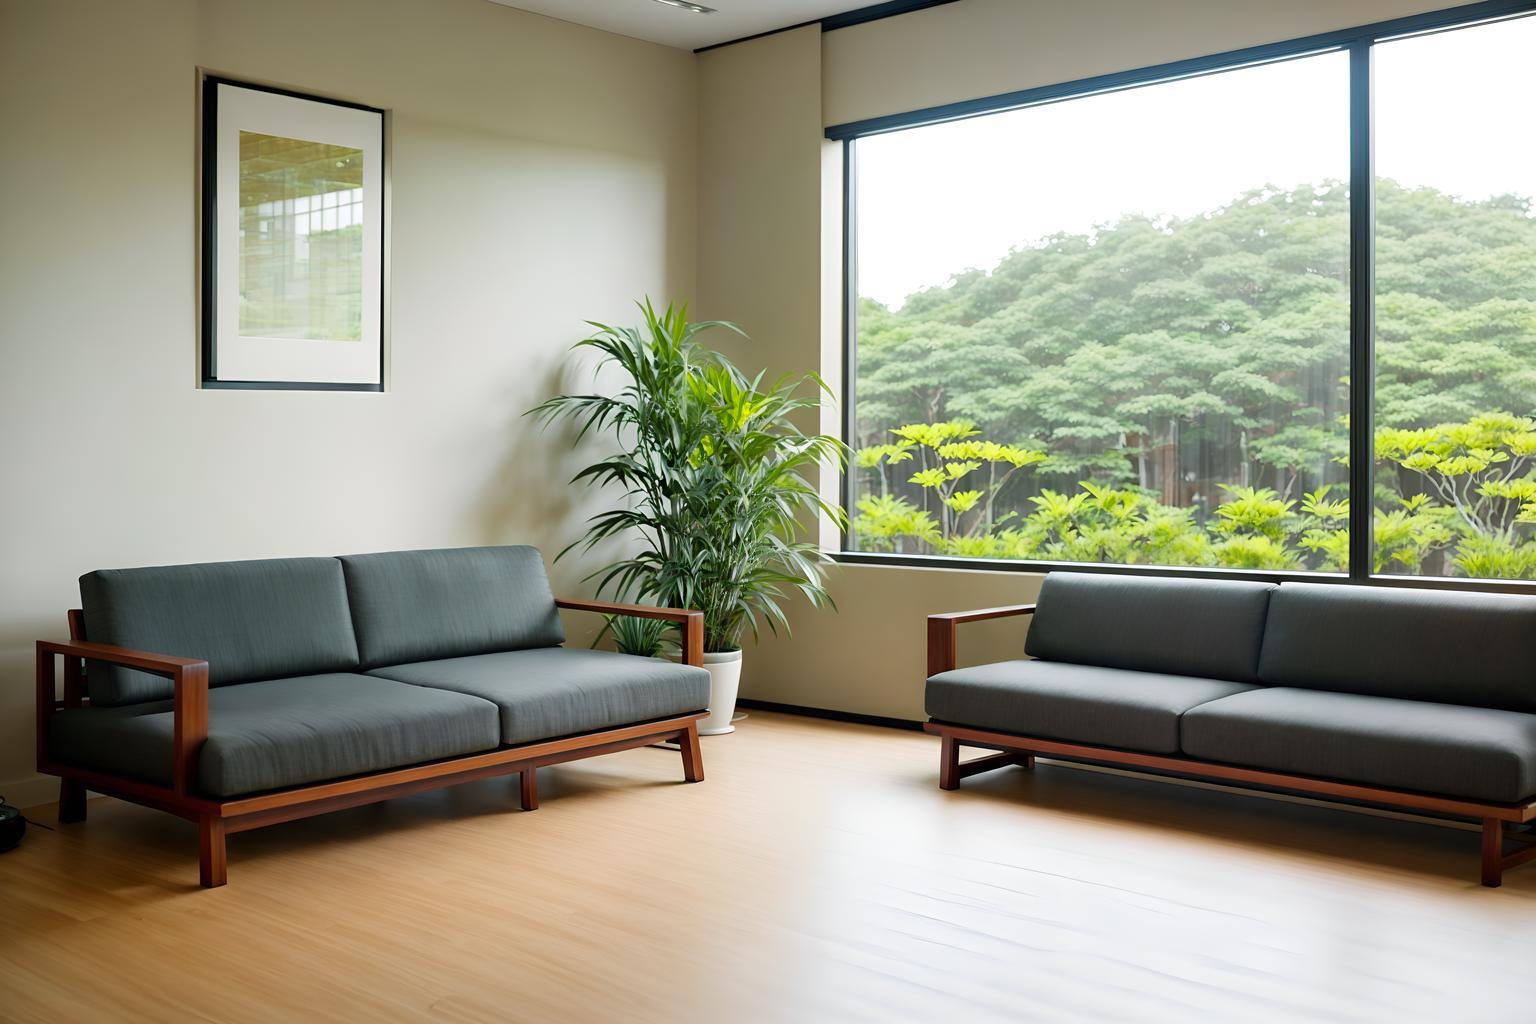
717	476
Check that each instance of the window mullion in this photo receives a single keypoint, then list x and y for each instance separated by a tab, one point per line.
850	333
1362	309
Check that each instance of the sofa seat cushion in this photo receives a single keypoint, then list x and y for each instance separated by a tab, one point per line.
559	691
1473	753
283	732
1075	703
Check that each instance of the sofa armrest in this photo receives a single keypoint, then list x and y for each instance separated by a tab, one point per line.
690	622
941	632
189	703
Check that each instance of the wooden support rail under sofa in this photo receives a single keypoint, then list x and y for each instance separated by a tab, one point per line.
216	817
1021	751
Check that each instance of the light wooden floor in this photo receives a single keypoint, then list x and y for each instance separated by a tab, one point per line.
817	875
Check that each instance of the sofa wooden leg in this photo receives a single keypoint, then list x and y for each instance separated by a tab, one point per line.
1493	852
528	788
213	861
71	801
693	756
949	762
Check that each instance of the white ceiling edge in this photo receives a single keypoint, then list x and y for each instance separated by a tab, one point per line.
673	26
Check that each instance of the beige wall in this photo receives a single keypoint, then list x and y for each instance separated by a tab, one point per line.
977	48
542	174
759	111
756	252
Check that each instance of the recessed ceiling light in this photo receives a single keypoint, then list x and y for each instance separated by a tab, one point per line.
685	5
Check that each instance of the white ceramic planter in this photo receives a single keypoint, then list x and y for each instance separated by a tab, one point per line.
724	680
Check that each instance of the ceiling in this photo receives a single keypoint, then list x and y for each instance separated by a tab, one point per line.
672	26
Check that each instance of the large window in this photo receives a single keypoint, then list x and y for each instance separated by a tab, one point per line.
1122	325
1456	303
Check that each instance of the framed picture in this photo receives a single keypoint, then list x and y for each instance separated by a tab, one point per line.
292	240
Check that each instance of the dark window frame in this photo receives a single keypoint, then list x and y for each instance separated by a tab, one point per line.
1359	43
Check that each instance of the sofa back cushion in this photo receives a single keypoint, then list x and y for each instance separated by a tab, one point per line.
1434	645
1187	627
249	620
423	605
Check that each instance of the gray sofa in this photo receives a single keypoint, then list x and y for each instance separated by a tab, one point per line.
1415	698
241	693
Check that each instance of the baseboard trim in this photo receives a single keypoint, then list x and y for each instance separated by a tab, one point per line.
830	714
31	791
35	791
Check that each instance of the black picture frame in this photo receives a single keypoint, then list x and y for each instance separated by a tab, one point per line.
208	264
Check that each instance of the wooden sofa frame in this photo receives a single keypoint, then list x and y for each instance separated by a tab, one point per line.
1019	750
216	818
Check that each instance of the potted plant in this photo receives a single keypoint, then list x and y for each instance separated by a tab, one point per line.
644	638
713	467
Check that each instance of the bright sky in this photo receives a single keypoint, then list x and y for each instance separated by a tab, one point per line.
1453	110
